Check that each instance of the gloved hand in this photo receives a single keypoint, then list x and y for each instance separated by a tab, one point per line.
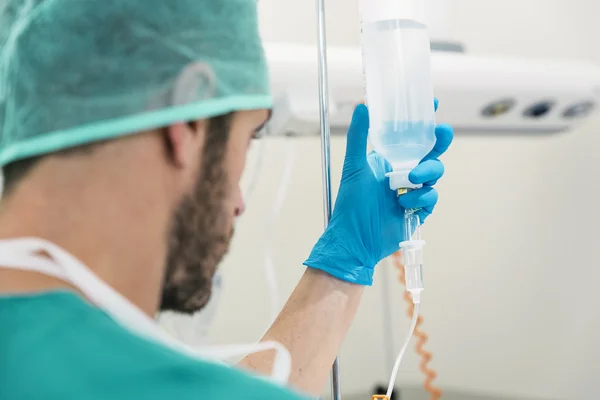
367	221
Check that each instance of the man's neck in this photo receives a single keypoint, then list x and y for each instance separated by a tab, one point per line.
116	232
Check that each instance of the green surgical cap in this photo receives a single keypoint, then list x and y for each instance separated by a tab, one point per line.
78	71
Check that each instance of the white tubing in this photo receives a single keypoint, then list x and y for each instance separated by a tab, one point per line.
413	325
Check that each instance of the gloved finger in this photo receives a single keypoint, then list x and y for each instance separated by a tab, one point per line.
444	135
427	173
356	143
424	198
436	103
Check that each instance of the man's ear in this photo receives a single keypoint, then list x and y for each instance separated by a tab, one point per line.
184	142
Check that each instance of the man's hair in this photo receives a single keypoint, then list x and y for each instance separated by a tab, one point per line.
217	134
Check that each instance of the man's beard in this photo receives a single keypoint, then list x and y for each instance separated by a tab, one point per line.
199	239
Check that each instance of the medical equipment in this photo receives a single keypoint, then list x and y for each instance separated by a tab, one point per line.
399	88
388	331
421	337
336	247
181	66
399	93
482	94
367	222
24	254
411	275
336	393
413	272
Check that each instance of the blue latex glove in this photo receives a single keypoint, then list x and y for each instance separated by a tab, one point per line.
367	221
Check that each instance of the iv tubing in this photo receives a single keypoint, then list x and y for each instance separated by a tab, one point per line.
403	351
413	273
421	337
325	154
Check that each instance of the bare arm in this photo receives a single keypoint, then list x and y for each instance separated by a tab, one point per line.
312	325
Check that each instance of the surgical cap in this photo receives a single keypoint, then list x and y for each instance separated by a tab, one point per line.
74	72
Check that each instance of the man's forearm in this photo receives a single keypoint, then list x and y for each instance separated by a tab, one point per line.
312	326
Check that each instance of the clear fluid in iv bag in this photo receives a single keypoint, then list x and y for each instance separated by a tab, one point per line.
397	62
403	144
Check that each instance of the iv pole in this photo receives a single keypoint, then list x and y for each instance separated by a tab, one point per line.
325	154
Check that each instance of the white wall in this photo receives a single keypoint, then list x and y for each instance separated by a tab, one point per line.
511	303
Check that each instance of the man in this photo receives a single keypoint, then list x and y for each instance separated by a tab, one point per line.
125	127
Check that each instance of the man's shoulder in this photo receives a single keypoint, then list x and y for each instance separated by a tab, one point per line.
77	349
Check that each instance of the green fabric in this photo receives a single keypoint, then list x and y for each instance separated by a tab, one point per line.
55	346
74	72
